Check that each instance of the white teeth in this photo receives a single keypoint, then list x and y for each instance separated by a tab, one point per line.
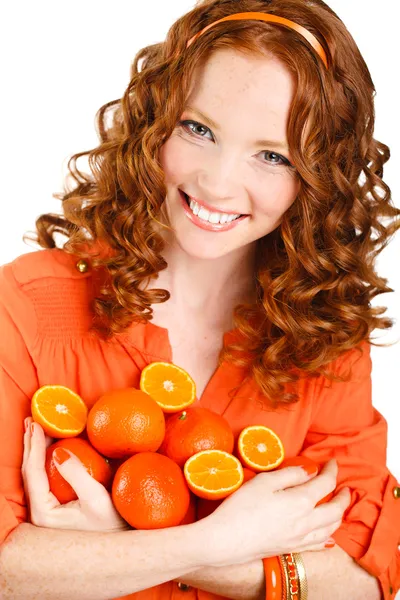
211	217
203	214
195	207
214	218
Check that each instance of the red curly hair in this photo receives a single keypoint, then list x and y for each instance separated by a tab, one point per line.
315	289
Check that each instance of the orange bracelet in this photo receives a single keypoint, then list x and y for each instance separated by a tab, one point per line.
273	578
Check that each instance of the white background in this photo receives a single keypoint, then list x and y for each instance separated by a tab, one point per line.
61	61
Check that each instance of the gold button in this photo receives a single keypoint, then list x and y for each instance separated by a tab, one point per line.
184	587
396	492
82	266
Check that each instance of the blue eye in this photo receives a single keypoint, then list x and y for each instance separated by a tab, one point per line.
280	158
186	125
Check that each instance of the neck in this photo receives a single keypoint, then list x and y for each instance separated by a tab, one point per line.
207	286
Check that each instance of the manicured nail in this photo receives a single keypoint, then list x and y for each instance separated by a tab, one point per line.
26	423
310	469
32	428
330	543
60	455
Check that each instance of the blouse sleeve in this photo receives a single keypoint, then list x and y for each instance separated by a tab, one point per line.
18	382
347	427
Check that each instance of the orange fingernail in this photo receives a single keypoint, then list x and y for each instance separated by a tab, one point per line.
310	469
60	455
330	544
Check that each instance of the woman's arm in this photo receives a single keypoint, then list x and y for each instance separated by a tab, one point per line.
56	564
332	575
239	582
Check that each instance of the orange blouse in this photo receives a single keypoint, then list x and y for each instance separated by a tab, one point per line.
45	339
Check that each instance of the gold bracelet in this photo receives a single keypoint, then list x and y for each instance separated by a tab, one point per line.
294	588
303	585
285	578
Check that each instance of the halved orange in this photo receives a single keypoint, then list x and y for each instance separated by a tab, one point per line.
260	448
169	385
213	474
61	412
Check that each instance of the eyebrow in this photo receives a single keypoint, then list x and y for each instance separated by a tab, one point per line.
215	125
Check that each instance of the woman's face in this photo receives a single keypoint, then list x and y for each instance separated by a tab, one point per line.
217	157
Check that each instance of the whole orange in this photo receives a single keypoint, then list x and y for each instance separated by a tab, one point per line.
205	507
96	465
248	474
124	422
190	516
150	491
304	461
193	430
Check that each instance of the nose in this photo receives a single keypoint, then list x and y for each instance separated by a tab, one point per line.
219	178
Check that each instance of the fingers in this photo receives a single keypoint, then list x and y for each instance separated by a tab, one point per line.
27	443
320	486
326	520
88	490
27	440
286	478
330	514
317	547
314	490
319	537
36	479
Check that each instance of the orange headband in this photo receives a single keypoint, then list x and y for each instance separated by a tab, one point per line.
260	16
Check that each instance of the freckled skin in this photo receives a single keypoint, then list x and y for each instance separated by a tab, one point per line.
250	99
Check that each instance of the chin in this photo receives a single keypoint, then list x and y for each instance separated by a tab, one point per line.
201	250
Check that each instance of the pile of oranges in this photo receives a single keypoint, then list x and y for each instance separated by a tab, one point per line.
151	449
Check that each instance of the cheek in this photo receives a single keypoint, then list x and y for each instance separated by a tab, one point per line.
280	195
176	160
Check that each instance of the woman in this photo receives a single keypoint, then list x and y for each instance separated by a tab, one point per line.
253	261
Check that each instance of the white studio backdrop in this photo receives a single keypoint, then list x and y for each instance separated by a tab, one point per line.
61	61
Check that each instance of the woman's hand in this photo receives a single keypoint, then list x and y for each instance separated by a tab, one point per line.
274	513
93	511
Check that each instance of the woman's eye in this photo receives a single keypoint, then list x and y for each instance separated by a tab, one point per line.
276	159
281	159
186	125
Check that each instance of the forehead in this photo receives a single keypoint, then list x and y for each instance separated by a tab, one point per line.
233	81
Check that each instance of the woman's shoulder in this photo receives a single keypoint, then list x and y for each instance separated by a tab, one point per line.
38	266
46	291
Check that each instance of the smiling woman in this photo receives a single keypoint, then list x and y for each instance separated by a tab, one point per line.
226	171
229	224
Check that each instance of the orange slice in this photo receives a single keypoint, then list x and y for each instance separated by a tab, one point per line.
213	474
260	448
61	412
169	385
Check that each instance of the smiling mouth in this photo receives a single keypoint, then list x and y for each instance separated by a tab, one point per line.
187	199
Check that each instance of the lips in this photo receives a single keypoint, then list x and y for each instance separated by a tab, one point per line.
207	225
187	198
